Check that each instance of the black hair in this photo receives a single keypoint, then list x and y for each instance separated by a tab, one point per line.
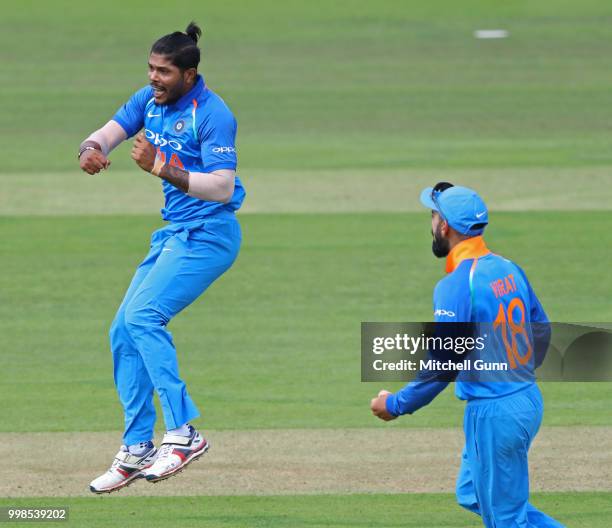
442	186
180	48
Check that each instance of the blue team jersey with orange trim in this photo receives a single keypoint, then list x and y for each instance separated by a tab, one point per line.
197	133
482	287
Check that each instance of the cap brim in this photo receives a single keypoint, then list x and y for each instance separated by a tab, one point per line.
426	199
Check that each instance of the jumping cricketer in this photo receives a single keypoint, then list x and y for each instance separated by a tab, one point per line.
187	139
501	417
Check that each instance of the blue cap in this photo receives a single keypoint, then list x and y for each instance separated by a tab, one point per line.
461	207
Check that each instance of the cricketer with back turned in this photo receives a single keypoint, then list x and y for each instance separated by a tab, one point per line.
501	417
188	141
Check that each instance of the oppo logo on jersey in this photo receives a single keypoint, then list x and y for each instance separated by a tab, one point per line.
447	313
218	150
160	141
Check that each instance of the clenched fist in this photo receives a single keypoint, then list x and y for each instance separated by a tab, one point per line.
143	153
93	161
378	406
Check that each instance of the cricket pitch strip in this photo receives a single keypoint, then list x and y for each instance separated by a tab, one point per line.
302	461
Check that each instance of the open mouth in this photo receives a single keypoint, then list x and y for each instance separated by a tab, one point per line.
158	91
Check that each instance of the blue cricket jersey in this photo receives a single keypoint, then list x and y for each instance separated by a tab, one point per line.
488	289
196	133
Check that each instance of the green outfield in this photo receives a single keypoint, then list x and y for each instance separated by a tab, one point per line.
588	510
345	110
289	311
353	84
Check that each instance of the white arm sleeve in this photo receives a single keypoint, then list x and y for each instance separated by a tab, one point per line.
217	186
109	136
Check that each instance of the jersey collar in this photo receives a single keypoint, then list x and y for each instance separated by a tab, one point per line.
192	94
470	248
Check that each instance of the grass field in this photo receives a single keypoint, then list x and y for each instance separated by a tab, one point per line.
589	510
298	294
346	110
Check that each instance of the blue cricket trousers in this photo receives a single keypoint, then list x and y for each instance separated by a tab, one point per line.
494	477
184	259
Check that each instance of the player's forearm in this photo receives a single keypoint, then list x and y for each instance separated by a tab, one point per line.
89	144
209	186
173	175
422	390
106	138
413	396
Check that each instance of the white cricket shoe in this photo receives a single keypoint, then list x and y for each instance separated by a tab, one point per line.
175	453
124	470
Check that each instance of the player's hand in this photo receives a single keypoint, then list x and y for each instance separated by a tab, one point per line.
379	406
93	161
143	153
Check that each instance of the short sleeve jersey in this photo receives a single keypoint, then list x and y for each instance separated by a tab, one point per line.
196	133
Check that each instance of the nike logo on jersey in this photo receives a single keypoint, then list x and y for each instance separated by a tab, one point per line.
152	115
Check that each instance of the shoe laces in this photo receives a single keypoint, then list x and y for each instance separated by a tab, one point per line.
165	451
114	465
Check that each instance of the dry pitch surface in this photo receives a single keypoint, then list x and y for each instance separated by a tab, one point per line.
304	461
